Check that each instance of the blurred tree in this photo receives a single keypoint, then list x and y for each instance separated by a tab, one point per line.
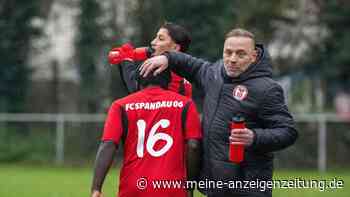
259	17
45	7
89	44
206	20
209	21
122	27
147	17
88	48
328	60
17	30
332	56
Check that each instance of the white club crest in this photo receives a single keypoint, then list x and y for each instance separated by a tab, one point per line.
240	92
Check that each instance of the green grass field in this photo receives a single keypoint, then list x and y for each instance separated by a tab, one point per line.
40	181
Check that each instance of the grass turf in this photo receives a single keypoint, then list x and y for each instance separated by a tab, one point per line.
43	181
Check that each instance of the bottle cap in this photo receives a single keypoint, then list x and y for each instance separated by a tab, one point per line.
238	118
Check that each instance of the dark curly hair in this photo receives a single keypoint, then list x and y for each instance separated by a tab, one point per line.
162	79
178	34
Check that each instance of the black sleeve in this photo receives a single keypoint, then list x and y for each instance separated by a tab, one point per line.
127	71
279	128
104	159
193	69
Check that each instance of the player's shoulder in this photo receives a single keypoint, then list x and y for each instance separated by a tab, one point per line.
131	97
177	96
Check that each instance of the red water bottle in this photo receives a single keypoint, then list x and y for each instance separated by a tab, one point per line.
142	53
129	53
236	154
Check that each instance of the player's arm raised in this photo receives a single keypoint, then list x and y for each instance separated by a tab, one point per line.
125	57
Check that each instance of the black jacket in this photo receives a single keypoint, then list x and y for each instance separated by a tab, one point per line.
264	109
127	71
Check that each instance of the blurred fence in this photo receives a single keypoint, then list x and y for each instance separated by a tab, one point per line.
324	139
64	132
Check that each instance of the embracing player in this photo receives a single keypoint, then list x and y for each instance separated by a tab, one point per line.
170	37
161	133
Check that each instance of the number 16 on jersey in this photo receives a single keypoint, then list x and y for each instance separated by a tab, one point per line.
153	137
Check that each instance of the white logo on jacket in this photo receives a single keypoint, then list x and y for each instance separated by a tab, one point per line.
240	92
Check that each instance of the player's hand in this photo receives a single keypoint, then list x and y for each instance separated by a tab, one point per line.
123	53
155	64
242	136
96	193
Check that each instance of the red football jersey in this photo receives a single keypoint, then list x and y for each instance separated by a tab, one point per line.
180	85
154	140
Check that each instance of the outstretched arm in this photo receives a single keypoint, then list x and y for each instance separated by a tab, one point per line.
193	69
